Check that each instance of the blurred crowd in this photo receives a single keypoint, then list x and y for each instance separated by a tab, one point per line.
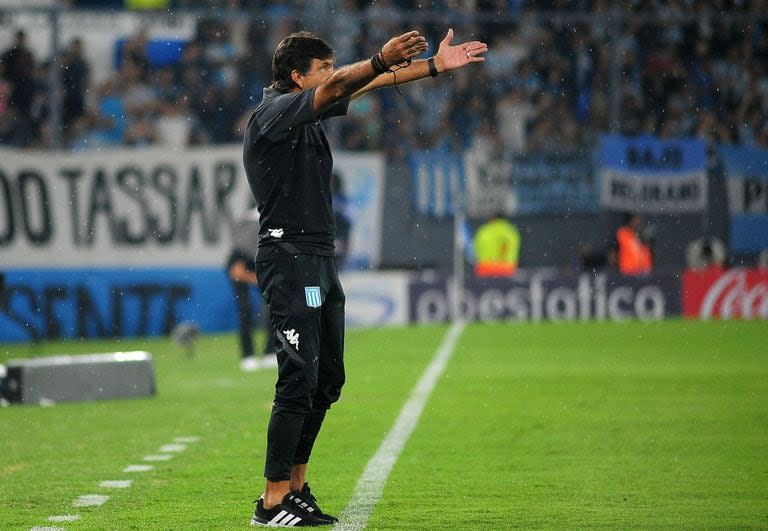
551	82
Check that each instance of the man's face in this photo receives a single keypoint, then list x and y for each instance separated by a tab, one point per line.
319	72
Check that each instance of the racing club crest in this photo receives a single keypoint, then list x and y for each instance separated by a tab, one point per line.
312	293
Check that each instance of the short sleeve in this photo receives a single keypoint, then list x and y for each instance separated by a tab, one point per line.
337	109
294	109
285	112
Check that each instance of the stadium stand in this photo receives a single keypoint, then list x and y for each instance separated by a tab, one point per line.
552	81
558	75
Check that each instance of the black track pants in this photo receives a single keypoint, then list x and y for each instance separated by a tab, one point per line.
306	304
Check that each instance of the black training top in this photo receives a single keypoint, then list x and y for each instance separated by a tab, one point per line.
288	163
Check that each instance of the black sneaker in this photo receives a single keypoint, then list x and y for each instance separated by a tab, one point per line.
307	496
289	513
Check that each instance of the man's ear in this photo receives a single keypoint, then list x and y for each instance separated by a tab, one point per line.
298	78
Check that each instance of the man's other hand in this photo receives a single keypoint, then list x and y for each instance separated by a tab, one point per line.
450	57
403	48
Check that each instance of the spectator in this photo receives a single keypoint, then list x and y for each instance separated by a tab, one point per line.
514	112
20	73
74	80
174	126
7	112
550	82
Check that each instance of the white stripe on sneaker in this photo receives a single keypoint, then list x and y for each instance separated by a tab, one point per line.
288	518
295	521
280	515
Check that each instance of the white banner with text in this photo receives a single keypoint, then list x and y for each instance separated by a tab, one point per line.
150	207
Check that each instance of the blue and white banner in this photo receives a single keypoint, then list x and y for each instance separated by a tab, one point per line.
552	184
114	302
746	172
438	182
49	304
647	174
530	184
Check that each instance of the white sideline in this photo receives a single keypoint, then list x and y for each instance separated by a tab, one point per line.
138	468
90	500
371	484
173	447
116	484
159	457
64	518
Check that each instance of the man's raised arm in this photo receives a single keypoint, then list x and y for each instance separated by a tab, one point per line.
446	59
346	80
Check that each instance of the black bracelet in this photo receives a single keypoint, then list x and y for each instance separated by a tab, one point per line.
432	67
378	64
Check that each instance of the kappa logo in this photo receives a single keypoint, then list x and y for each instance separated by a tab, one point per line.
276	233
292	337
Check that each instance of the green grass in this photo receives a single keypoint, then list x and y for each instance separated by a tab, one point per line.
581	425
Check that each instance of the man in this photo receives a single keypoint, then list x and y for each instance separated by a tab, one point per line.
288	163
20	72
497	246
241	269
634	255
18	68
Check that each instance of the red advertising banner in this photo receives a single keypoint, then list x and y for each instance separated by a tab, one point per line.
729	294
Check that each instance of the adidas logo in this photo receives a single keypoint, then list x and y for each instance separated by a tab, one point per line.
276	233
285	519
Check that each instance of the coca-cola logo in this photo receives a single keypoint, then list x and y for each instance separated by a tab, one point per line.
733	296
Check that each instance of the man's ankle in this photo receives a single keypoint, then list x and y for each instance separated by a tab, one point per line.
274	493
270	502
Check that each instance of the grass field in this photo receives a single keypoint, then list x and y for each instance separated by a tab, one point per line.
610	425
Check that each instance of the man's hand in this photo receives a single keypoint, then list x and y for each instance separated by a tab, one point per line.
403	48
452	57
240	273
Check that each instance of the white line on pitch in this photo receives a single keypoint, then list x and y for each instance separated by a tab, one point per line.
160	457
371	484
138	468
38	528
89	500
116	484
186	439
173	447
64	518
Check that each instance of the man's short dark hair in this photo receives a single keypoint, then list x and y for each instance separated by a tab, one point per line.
296	52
